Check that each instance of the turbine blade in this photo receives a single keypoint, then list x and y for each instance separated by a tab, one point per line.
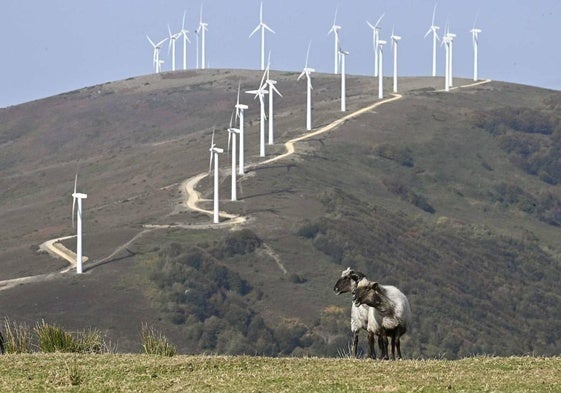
276	90
239	87
434	13
183	22
268	28
151	42
379	20
255	30
229	138
74	198
428	32
371	25
308	53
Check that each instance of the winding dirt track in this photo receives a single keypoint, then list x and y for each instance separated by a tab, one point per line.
191	199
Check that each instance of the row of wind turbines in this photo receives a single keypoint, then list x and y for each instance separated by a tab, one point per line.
447	41
267	86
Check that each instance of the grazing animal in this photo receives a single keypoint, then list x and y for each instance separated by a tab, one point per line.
360	314
392	310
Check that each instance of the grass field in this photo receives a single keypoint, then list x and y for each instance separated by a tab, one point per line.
143	373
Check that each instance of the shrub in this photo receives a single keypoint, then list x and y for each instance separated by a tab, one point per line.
155	343
53	338
18	337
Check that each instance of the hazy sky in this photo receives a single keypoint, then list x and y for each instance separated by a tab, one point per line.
54	46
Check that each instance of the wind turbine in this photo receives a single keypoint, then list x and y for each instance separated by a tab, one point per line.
240	108
335	30
185	33
260	92
203	27
214	152
262	26
375	38
395	39
78	196
342	56
475	36
171	45
232	134
156	53
381	44
433	28
272	90
447	41
451	37
308	72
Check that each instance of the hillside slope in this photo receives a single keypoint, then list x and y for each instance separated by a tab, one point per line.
434	193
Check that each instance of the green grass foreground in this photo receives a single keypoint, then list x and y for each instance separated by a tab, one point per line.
144	373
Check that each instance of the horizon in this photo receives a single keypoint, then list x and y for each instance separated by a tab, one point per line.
59	47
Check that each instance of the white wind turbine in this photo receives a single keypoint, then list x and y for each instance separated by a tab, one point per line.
171	45
156	54
395	39
262	26
185	34
375	38
203	27
240	108
475	36
446	41
78	196
272	90
260	92
214	152
342	56
381	44
335	30
232	136
307	71
433	28
451	37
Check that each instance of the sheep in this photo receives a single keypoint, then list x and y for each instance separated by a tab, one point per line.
392	311
360	315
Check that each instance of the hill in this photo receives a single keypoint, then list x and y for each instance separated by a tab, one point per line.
451	197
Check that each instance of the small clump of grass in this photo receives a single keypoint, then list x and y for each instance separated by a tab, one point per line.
53	338
17	337
155	343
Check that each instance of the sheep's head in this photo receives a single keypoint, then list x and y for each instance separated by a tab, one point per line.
348	281
366	292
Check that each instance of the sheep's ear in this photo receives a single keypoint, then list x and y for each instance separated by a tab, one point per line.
355	276
375	286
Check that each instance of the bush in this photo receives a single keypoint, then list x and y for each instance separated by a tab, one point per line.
155	343
241	242
18	337
53	338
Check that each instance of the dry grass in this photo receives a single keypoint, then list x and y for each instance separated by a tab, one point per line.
256	374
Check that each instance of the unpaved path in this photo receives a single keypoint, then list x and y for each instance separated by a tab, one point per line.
192	197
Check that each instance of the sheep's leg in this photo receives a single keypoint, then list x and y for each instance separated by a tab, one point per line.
371	343
398	345
383	344
354	348
393	346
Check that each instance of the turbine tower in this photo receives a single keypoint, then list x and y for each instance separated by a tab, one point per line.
272	90
451	37
433	28
262	26
78	196
156	54
395	39
475	36
335	30
203	27
232	135
171	45
214	152
446	41
240	108
381	44
307	71
342	56
185	33
375	38
260	92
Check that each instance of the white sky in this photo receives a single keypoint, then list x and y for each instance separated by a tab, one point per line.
54	46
